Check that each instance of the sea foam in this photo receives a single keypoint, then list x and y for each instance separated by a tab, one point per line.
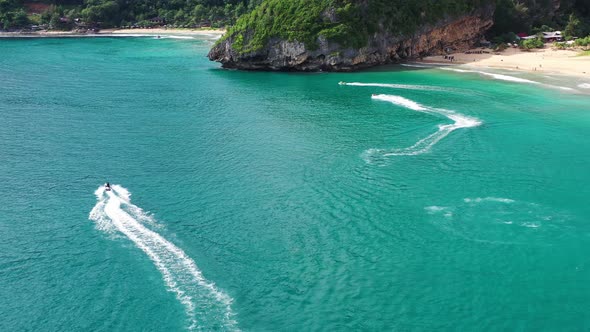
493	75
424	145
508	78
114	212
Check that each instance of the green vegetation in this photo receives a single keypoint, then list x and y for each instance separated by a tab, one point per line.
584	42
561	46
69	14
529	44
12	14
572	17
349	22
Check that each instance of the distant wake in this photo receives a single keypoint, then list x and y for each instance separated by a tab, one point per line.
203	302
501	221
400	86
424	145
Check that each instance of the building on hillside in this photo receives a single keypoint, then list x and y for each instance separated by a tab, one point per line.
157	21
204	24
548	37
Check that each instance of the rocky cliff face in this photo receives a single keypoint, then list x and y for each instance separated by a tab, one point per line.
384	47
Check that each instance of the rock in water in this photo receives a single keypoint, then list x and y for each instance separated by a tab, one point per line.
328	51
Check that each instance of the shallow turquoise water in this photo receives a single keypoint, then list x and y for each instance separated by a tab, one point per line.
307	203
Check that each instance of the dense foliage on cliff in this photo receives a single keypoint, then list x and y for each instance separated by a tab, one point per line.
532	16
349	22
110	13
12	14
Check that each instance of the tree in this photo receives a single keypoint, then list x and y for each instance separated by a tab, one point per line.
572	27
529	44
54	21
106	12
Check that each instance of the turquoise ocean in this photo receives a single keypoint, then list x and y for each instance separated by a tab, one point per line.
406	199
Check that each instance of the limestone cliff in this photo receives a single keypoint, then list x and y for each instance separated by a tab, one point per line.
457	32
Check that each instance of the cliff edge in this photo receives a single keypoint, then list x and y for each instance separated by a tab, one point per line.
346	35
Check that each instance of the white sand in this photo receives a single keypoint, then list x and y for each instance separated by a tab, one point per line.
162	31
52	33
547	60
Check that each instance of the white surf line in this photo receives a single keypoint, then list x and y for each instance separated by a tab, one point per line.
509	78
584	85
399	86
496	76
424	145
201	299
413	65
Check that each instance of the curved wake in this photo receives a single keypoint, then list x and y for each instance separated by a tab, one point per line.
203	302
424	145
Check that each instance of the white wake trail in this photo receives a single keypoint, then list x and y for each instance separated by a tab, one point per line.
400	86
424	145
203	302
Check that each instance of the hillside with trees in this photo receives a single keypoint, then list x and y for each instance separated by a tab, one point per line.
295	19
64	14
572	17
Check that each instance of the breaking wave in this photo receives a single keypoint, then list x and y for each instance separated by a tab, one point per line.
424	145
492	75
584	85
203	302
509	78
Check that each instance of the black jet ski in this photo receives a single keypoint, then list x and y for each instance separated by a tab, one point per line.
107	186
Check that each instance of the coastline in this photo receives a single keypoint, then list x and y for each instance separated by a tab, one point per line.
113	32
539	61
548	61
164	31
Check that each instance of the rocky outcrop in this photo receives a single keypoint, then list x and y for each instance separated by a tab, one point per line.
384	47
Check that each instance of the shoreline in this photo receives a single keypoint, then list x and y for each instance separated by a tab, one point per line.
539	61
548	61
112	32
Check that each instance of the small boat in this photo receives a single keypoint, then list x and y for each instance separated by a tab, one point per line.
107	186
341	83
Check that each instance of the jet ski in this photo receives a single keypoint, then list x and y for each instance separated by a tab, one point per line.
107	186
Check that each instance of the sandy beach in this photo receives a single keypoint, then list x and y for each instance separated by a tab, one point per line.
547	61
163	31
121	32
